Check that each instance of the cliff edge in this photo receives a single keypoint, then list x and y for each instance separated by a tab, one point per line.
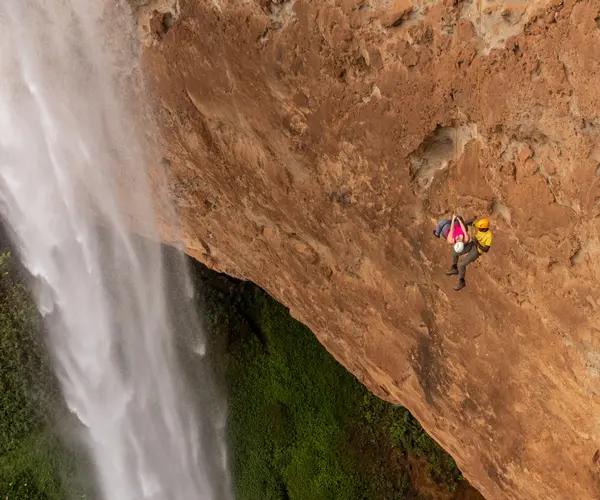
310	146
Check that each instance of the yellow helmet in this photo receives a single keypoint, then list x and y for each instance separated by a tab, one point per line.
482	224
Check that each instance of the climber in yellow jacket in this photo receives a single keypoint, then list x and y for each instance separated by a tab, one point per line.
479	244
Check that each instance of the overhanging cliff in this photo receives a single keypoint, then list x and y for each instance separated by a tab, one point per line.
311	145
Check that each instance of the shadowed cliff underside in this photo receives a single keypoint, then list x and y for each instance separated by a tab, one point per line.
311	145
300	426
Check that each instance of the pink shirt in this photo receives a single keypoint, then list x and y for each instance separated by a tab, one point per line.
457	231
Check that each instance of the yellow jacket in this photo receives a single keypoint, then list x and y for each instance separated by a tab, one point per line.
483	240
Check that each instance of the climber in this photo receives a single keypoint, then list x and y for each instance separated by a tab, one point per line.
455	233
478	245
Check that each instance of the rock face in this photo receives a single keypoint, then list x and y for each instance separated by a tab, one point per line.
310	145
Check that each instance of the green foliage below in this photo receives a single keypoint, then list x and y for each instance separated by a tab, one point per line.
300	425
34	465
22	362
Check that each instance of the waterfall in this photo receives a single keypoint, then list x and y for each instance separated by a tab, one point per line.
73	183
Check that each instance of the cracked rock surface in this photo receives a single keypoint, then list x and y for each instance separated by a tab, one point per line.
311	145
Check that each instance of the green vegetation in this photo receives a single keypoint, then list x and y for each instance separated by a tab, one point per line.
300	425
33	462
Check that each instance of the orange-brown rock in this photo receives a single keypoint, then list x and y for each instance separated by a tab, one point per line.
310	146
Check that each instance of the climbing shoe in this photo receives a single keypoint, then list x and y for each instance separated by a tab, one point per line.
451	271
460	284
436	235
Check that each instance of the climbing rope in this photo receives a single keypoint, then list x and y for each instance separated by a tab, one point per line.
453	195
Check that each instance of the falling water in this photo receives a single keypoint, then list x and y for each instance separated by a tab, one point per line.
71	166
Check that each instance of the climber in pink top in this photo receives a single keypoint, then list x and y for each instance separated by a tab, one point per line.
454	231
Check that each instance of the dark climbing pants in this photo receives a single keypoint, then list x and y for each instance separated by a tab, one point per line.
471	256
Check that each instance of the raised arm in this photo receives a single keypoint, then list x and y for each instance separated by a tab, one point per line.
450	235
465	232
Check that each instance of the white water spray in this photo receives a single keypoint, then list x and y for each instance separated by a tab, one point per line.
68	155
